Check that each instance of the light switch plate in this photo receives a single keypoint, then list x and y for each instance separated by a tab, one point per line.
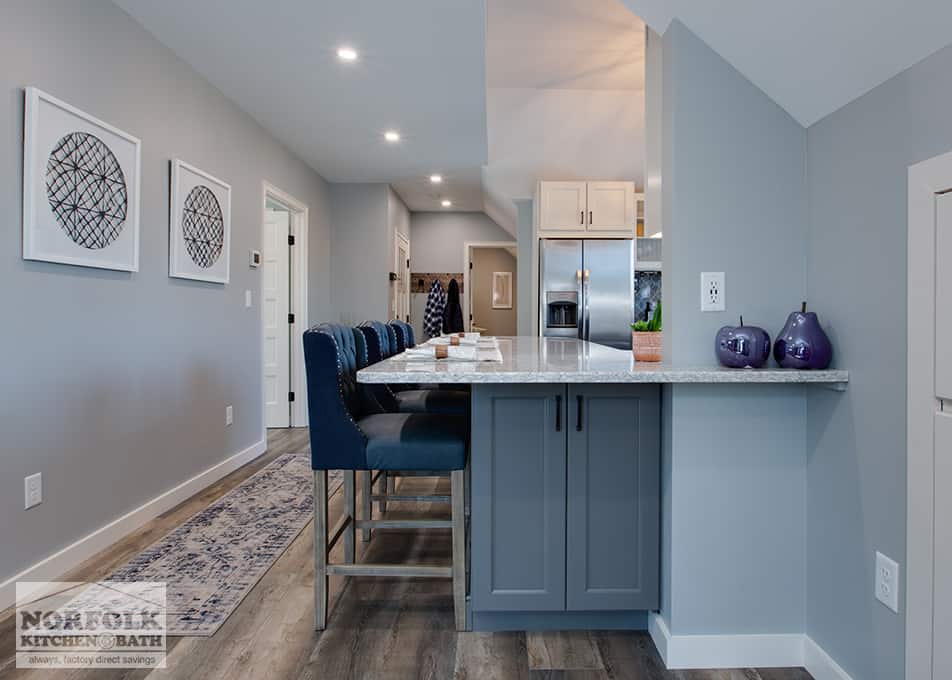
229	415
32	490
247	298
887	581
712	292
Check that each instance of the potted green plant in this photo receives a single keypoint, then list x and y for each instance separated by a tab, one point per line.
646	338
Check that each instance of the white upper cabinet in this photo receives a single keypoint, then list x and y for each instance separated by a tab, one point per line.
562	206
580	209
611	206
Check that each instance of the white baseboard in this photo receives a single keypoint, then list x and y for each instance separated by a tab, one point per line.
74	554
819	664
742	651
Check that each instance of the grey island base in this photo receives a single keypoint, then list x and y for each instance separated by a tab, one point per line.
565	494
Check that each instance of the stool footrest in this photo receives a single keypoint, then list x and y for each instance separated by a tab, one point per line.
404	524
412	570
436	498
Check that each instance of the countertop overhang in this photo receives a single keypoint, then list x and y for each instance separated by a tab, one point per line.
557	360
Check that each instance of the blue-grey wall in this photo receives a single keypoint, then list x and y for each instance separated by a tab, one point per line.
734	200
115	384
856	473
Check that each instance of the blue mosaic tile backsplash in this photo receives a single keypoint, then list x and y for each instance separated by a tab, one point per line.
647	293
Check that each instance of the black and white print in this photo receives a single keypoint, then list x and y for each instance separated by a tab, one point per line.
81	188
200	229
203	226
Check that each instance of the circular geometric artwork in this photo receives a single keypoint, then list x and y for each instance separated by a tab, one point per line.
86	190
203	226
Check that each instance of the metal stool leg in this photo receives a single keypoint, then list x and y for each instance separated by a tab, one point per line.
320	549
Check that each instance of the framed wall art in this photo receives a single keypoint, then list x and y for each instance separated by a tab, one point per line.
200	225
80	187
502	290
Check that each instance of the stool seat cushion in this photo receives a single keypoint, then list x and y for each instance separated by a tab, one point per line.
415	441
446	402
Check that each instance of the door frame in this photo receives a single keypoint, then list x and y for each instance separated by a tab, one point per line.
468	246
926	180
299	276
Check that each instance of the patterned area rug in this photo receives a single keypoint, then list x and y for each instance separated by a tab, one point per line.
210	562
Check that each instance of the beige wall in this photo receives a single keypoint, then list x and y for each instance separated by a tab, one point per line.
485	262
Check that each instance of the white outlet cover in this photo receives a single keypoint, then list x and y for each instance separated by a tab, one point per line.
712	292
229	415
887	581
32	490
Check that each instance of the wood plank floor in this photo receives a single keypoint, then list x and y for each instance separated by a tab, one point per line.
378	629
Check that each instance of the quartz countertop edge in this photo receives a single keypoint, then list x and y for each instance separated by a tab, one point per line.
551	360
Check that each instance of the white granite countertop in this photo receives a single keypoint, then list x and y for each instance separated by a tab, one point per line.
551	360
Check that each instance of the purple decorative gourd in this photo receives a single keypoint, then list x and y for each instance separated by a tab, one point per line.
742	346
802	343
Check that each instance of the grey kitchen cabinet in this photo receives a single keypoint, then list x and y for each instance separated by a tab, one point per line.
614	486
518	494
565	497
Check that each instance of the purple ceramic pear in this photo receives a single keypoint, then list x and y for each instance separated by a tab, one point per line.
742	346
802	343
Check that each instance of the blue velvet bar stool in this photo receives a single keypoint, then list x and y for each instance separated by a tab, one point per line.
348	432
383	341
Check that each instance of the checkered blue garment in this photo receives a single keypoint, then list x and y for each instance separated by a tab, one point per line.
433	315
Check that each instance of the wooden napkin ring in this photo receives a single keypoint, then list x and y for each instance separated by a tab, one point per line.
454	340
441	351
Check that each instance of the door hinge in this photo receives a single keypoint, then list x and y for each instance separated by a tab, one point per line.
470	265
290	239
290	318
408	263
290	396
470	317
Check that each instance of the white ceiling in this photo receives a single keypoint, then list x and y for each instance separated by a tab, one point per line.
565	96
421	71
812	56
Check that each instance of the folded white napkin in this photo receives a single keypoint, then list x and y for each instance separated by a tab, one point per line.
454	353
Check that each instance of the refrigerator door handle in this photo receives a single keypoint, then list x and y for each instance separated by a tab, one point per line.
580	305
585	310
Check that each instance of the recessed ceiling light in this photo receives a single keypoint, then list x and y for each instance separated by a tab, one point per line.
436	179
446	203
346	53
391	136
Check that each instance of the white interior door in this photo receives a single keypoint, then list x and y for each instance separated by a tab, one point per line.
276	301
401	306
942	525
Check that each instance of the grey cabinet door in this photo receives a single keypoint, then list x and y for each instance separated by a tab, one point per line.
612	526
518	497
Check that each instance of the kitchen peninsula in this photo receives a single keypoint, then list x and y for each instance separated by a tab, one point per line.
566	477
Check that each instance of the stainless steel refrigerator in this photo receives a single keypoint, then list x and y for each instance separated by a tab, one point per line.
587	290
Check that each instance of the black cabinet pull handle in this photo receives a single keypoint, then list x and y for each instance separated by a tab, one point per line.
578	418
590	218
558	413
581	217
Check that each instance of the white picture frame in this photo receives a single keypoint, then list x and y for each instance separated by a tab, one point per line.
199	225
502	290
81	181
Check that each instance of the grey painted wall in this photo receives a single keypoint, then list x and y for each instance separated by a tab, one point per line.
362	244
485	262
115	384
856	472
436	245
734	200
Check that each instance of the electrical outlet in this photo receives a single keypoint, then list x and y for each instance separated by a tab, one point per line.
32	490
887	582
712	292
229	415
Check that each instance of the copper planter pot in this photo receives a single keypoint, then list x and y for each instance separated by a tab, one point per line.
646	346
